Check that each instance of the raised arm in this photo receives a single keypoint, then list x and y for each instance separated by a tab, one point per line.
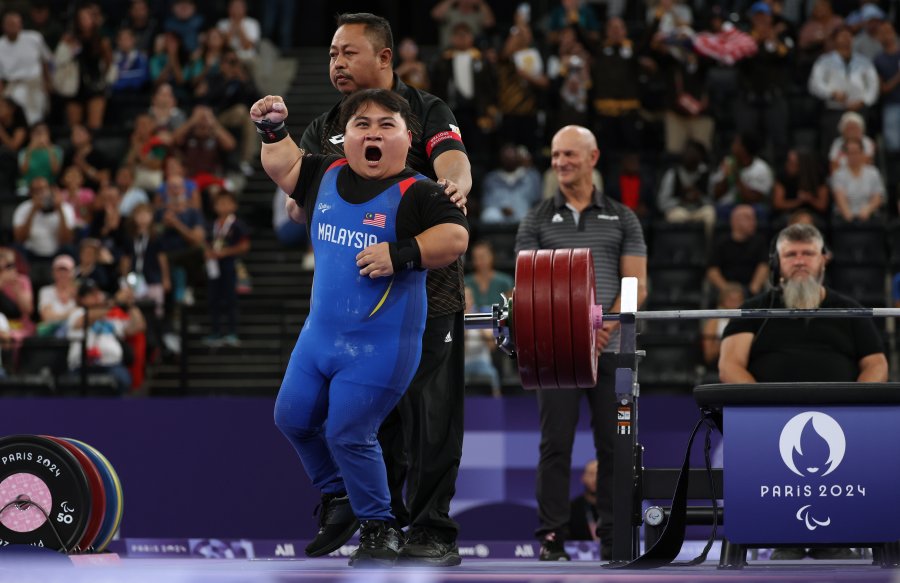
280	156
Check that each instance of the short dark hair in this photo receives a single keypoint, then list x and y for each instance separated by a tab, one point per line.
387	99
378	29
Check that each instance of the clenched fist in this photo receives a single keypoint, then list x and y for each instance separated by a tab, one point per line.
270	108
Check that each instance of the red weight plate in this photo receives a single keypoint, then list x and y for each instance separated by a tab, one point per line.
523	320
542	291
584	349
562	319
98	493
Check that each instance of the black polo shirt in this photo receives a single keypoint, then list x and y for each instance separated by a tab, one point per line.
434	132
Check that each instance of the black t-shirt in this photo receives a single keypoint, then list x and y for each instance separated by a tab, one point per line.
434	132
738	259
423	206
806	349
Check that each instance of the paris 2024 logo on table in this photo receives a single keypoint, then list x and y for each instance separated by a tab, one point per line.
795	475
791	450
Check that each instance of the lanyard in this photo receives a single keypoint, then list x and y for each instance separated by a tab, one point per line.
140	250
220	230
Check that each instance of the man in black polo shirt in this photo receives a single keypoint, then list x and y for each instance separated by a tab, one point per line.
580	216
426	429
802	349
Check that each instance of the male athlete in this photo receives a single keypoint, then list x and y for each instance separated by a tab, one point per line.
374	226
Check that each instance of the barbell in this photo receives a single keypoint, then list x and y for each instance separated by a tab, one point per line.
548	323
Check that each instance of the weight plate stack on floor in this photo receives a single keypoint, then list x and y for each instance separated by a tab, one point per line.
45	495
115	502
98	495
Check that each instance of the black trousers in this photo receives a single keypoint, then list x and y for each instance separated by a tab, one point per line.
558	411
422	437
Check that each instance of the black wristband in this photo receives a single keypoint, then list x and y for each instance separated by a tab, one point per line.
405	255
271	132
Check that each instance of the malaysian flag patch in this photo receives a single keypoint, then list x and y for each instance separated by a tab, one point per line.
375	219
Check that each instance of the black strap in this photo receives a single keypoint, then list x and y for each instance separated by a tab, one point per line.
670	542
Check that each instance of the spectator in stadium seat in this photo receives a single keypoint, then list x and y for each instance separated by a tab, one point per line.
743	178
144	258
228	93
132	66
485	283
799	187
107	223
684	189
510	191
687	98
633	186
852	126
410	68
288	233
866	41
521	83
615	93
77	194
227	239
464	78
57	301
741	256
13	134
94	56
569	72
858	189
95	262
844	81
817	32
95	166
39	159
43	226
132	196
24	66
208	58
186	23
761	105
279	14
142	23
476	13
108	326
242	32
167	67
40	20
146	153
888	66
576	13
164	109
204	143
16	296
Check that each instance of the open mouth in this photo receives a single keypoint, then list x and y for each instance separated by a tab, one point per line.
373	153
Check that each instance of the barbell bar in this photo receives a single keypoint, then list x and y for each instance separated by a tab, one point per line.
549	321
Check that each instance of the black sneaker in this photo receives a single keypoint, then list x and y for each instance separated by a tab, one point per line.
552	549
379	544
426	548
337	523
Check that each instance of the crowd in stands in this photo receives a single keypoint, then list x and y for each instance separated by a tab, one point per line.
121	124
731	118
124	146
